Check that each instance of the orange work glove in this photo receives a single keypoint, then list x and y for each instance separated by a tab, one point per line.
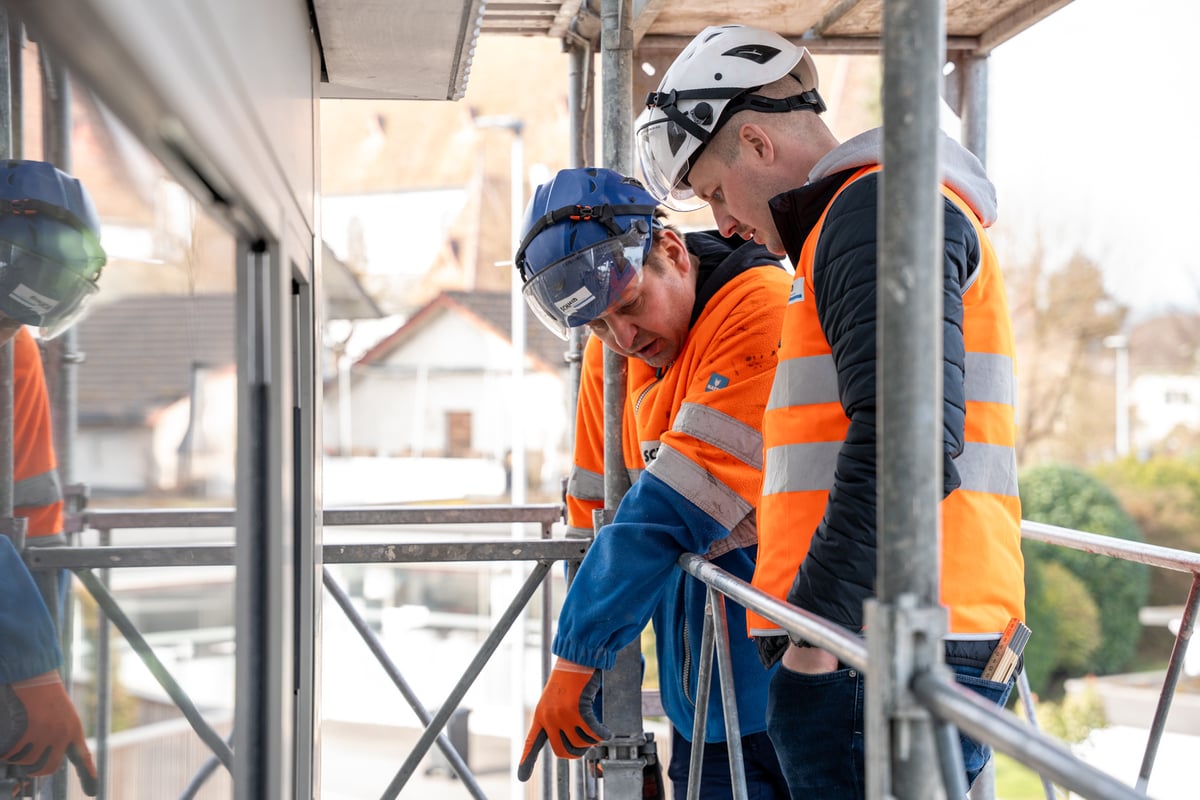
564	716
43	722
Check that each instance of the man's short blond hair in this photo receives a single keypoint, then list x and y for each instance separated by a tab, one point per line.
724	142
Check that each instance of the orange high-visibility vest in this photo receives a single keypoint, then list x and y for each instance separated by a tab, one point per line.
982	570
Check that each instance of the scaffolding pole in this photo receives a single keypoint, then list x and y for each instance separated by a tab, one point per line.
905	622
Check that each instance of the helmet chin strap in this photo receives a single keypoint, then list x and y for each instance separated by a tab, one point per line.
669	103
29	207
693	121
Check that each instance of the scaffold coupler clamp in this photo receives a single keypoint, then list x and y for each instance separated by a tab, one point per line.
12	784
623	759
14	528
75	503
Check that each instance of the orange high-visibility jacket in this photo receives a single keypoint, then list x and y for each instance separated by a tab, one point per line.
695	425
691	438
37	493
817	516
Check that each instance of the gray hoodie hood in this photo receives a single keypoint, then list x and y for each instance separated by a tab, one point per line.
961	170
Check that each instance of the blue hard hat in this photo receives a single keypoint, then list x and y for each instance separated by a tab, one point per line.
50	253
587	233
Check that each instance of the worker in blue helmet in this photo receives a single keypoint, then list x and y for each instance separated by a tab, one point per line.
697	317
573	272
50	253
50	260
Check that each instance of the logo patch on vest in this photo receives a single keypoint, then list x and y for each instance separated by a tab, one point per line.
797	293
716	381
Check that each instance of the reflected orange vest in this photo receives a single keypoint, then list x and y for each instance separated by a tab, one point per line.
37	494
982	570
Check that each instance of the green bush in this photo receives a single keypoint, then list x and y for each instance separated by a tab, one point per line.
1065	623
1070	498
1162	494
1074	719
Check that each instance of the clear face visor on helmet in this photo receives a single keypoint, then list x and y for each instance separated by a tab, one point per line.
575	290
43	292
664	170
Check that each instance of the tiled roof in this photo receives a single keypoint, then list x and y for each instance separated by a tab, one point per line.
139	351
493	309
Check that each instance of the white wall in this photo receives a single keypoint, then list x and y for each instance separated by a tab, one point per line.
1161	403
388	481
145	458
399	407
114	459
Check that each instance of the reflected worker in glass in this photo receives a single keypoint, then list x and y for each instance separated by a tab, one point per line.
50	260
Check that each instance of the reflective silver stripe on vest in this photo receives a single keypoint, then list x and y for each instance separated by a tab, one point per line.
989	379
40	490
800	467
634	474
717	428
585	484
804	381
700	486
579	533
990	468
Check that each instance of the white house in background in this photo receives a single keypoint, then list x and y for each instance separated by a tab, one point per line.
1163	404
1164	387
432	407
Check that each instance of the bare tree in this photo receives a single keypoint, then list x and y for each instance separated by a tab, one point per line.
1061	317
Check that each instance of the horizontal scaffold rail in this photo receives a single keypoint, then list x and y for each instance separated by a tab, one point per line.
1126	549
999	728
537	513
386	553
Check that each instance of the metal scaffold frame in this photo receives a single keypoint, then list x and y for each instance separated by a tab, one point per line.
279	552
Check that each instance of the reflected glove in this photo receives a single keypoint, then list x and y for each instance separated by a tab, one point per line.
39	725
564	716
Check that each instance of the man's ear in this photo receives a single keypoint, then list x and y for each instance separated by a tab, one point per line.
676	251
756	143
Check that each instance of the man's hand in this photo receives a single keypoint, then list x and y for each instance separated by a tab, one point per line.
809	660
38	726
564	716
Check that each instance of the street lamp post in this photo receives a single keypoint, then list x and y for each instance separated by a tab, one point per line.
1120	345
517	169
517	422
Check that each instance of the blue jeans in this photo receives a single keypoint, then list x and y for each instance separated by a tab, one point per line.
764	777
816	723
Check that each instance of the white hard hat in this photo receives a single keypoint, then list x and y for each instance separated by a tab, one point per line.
712	79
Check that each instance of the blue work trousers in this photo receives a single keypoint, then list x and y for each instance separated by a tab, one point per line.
764	777
816	724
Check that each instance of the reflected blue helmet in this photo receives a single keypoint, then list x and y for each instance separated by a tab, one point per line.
50	253
586	235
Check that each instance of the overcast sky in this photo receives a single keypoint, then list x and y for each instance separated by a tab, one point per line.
1093	143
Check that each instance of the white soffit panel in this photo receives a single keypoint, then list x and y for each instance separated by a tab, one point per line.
383	49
